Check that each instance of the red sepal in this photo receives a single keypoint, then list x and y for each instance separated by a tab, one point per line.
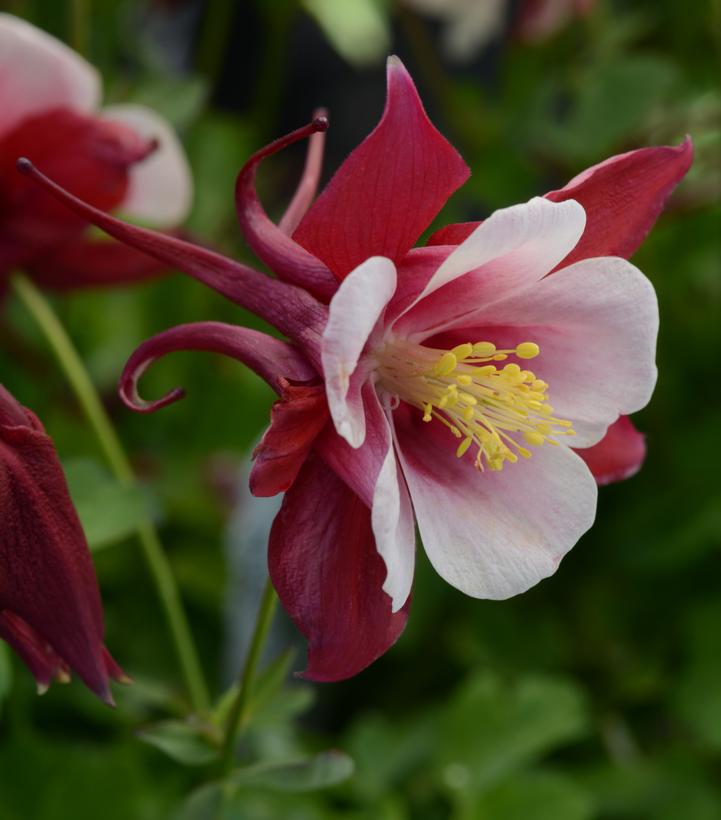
388	190
295	422
325	568
618	455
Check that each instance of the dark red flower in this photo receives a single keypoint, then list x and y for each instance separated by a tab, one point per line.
50	609
355	484
122	158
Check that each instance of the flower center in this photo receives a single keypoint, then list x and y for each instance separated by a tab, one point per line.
488	408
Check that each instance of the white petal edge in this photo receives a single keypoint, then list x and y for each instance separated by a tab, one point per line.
495	535
538	234
353	313
38	73
160	189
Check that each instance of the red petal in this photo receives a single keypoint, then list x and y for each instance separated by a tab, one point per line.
623	197
269	357
452	234
281	254
89	156
88	263
388	190
35	653
295	422
618	455
47	579
292	310
324	565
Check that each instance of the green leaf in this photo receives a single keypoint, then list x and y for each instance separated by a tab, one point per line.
358	31
108	511
317	772
533	796
5	673
187	742
492	728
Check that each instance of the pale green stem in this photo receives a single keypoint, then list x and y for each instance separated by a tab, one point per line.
239	710
79	14
87	396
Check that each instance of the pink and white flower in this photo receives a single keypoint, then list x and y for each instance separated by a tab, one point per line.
121	158
455	385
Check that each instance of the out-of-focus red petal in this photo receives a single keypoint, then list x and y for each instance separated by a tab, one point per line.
283	255
618	455
623	197
47	579
85	154
325	568
271	358
388	190
295	422
292	310
39	657
91	263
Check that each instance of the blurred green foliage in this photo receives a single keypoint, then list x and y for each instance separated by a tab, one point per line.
596	694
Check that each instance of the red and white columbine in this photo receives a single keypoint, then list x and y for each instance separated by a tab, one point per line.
442	385
123	157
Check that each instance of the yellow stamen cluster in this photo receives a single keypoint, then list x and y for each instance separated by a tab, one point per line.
486	407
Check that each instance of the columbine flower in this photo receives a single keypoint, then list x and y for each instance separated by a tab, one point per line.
441	384
124	157
50	610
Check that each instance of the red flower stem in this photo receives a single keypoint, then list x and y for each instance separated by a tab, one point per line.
239	711
158	564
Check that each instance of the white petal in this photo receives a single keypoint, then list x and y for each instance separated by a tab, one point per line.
160	191
529	239
394	530
495	534
596	322
354	311
38	72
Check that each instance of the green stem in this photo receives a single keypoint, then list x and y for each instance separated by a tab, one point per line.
239	710
87	396
79	15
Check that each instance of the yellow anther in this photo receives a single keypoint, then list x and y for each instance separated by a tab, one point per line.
534	437
445	365
463	351
527	350
463	446
495	408
484	349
